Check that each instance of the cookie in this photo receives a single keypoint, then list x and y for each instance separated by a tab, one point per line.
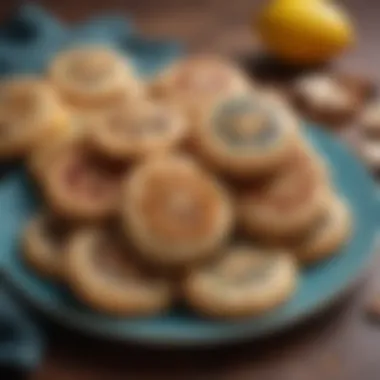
286	203
175	213
368	137
329	97
44	243
198	79
102	275
369	119
94	76
327	234
42	153
245	136
369	152
134	133
30	114
245	281
79	184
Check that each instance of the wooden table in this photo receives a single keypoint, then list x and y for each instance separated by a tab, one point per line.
338	345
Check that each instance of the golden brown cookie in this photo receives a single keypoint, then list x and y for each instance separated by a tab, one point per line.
244	281
134	133
94	76
368	138
30	114
330	97
174	212
79	184
196	80
44	152
103	276
246	136
44	244
369	118
327	234
286	203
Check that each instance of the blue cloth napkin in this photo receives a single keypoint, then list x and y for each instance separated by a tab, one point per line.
28	40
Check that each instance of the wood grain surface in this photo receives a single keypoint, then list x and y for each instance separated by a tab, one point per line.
341	344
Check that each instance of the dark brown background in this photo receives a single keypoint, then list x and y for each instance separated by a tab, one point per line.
338	345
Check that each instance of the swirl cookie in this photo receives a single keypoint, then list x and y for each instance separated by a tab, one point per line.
174	213
130	134
93	76
101	274
30	114
245	137
81	185
288	202
199	79
44	244
244	281
327	234
329	98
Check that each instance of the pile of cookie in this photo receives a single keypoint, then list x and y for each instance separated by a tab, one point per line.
345	103
196	186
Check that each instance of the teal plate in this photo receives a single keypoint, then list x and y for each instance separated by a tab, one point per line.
318	287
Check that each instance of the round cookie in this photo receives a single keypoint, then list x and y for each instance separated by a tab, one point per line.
30	114
369	119
369	152
101	274
42	154
327	234
174	212
286	203
246	136
369	135
44	244
134	133
92	76
244	281
79	184
327	97
196	80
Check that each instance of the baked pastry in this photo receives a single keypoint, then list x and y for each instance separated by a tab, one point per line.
368	142
41	155
244	281
44	244
327	234
245	136
369	119
79	184
133	133
286	203
103	276
369	152
30	114
330	98
94	76
174	212
196	80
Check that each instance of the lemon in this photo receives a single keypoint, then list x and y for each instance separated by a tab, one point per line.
305	31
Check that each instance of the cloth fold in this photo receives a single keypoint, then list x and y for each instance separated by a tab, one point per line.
21	341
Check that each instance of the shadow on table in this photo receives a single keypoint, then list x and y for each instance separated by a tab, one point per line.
270	70
68	349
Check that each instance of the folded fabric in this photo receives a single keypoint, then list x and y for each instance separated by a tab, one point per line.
21	342
28	40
